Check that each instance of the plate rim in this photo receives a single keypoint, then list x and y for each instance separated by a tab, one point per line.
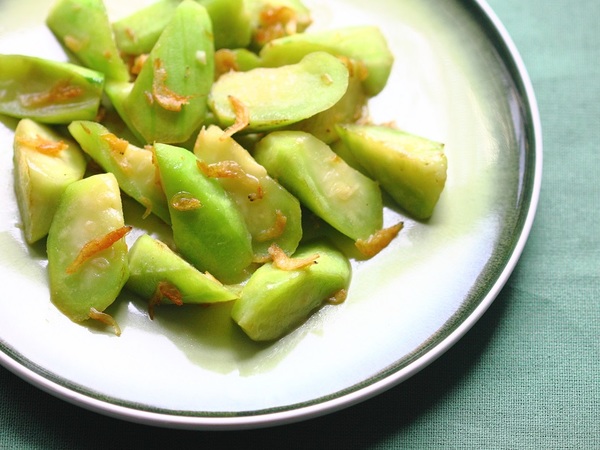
366	390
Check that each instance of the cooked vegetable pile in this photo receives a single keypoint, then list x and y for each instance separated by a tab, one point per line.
236	122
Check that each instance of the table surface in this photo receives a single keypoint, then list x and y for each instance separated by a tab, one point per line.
526	376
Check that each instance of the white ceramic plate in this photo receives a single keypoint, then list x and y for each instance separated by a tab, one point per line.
457	79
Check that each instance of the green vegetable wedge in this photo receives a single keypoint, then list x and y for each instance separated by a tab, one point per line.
87	252
412	169
208	228
168	100
158	273
343	197
45	164
274	97
275	301
48	91
83	27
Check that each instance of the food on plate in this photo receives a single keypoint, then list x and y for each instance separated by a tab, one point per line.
242	132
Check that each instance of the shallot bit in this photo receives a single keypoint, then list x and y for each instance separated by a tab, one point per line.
242	117
45	146
95	246
61	92
106	319
164	290
164	96
284	262
184	201
276	230
378	241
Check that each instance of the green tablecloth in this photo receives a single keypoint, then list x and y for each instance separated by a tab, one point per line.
526	376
